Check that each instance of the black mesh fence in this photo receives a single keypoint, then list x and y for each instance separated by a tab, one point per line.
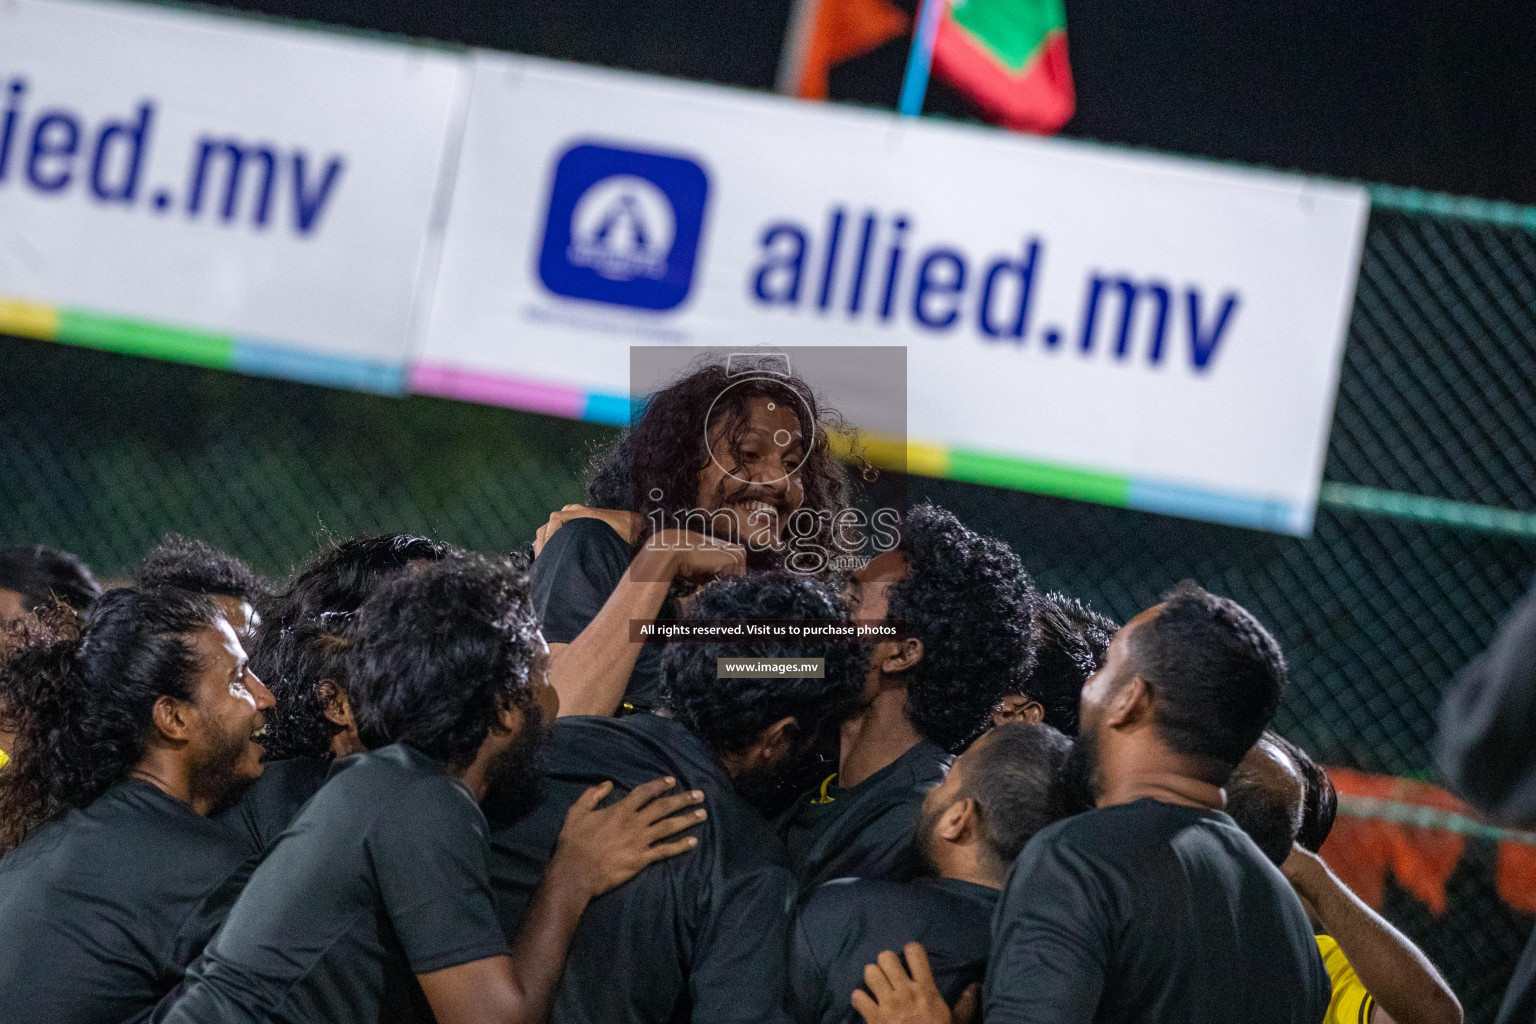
100	454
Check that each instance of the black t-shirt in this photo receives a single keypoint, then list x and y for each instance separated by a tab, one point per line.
571	580
698	937
274	800
101	911
864	831
1151	911
382	876
844	925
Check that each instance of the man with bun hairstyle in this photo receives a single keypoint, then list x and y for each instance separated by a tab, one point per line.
132	725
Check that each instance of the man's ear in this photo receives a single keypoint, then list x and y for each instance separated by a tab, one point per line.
509	719
1016	707
173	718
1130	705
338	709
958	822
907	653
775	742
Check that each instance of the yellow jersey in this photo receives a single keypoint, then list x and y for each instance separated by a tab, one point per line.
1351	1003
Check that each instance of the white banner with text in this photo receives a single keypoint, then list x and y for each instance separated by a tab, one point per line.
1134	329
239	194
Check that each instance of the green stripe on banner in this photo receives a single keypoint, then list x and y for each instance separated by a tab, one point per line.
136	339
1041	478
1486	518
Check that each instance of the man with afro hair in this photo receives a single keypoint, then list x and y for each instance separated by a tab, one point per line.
969	614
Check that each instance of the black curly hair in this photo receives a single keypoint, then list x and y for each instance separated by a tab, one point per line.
437	654
1074	640
301	639
42	574
339	579
664	451
970	602
1215	674
728	714
197	566
79	694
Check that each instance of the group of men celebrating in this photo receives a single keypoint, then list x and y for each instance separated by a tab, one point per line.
415	783
472	856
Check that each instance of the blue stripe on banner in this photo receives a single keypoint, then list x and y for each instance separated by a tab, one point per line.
611	409
1232	509
268	360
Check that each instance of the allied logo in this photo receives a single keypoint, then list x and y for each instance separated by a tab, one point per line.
623	226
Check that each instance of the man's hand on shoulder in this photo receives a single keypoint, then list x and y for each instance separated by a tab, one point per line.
898	997
625	524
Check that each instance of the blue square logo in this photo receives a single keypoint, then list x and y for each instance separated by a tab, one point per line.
623	226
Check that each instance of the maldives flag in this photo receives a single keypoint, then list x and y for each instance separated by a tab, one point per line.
1009	57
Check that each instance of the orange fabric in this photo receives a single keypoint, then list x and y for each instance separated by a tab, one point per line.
1516	876
1387	787
1363	851
845	29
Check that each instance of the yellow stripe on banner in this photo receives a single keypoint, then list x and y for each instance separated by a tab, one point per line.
892	453
25	320
927	460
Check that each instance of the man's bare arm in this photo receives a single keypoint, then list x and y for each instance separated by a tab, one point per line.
1404	984
591	672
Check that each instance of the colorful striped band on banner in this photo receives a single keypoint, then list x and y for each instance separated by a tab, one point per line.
924	459
264	358
257	356
261	357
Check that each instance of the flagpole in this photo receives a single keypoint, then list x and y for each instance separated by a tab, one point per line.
797	40
914	86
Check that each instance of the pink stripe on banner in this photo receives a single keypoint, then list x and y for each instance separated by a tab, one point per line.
488	389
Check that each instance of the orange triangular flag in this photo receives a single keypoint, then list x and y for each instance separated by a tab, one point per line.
844	29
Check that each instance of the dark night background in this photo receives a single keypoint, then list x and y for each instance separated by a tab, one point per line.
1439	96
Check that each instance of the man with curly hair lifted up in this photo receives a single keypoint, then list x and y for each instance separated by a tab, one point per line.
969	611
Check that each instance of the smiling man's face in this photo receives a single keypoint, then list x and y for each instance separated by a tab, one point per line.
225	752
756	484
12	606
